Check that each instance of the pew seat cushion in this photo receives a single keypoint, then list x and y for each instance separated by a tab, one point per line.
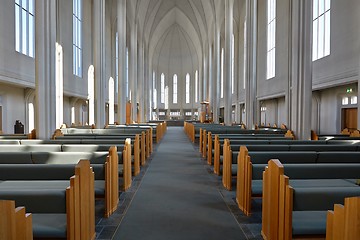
284	157
256	187
321	198
15	157
309	223
68	157
49	225
36	200
339	157
319	183
99	185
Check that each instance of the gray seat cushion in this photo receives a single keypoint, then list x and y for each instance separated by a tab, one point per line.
49	225
309	223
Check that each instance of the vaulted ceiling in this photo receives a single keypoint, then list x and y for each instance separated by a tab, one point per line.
180	29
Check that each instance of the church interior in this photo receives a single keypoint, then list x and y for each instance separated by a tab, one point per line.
189	119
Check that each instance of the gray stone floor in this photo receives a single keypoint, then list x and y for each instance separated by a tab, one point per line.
106	227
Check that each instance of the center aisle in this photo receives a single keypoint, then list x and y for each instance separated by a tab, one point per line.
176	199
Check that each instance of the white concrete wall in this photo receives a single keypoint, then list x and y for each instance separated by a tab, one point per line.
13	106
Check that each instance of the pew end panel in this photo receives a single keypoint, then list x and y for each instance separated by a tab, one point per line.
15	223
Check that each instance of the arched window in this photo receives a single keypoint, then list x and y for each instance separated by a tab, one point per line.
127	75
232	63
175	89
91	95
187	94
31	117
245	52
162	98
154	91
196	86
59	86
222	74
111	101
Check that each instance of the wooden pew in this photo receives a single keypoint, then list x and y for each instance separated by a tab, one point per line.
15	223
249	172
45	166
73	207
343	222
301	211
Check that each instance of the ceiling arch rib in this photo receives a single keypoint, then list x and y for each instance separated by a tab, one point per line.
172	17
175	53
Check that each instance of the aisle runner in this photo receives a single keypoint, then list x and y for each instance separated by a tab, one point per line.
176	199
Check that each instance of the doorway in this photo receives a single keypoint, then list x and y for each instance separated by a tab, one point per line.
349	118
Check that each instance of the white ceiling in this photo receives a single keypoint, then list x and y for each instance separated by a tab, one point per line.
177	31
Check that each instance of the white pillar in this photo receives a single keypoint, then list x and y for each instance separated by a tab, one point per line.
140	83
134	70
99	44
217	77
210	97
205	74
147	86
121	29
229	13
45	68
301	69
251	109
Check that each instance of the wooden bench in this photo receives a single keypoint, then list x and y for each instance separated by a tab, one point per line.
298	211
265	155
60	212
250	167
15	223
343	222
22	165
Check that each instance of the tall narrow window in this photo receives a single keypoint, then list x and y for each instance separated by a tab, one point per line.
77	38
127	75
196	86
162	83
31	117
271	37
245	52
222	74
116	62
25	27
175	89
321	29
111	101
154	91
187	94
232	64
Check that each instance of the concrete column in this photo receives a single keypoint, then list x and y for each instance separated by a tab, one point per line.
45	68
210	97
217	78
140	83
99	44
121	29
229	13
251	103
134	70
205	74
301	69
148	99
